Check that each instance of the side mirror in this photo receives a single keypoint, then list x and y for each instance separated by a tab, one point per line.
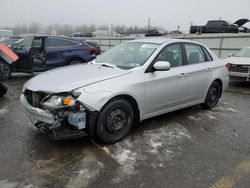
162	66
231	54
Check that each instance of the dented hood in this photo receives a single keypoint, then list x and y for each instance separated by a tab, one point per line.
72	77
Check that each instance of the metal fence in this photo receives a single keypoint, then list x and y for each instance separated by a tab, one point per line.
221	44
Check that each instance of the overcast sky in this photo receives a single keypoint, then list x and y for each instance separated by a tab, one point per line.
166	13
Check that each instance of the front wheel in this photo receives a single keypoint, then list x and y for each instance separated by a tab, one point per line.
3	90
5	71
213	96
115	121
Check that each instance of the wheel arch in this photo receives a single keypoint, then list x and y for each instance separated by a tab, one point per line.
75	58
132	101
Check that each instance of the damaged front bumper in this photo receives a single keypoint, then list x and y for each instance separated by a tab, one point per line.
56	128
37	113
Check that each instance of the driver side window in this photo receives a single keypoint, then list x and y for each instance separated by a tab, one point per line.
172	54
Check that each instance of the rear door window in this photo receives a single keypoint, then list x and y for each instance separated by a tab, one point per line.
56	42
194	54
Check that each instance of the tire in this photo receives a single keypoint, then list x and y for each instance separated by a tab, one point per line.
115	121
3	90
5	71
75	62
213	96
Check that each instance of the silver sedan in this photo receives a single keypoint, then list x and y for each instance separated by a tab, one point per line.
131	82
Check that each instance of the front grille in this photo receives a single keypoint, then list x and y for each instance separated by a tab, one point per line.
238	68
34	98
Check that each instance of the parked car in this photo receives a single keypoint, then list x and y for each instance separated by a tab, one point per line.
91	43
41	53
239	65
79	34
215	26
94	45
6	33
6	58
153	32
131	82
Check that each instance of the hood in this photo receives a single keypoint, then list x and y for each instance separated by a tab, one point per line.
72	77
241	22
238	60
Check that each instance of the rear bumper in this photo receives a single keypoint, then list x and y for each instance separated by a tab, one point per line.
36	113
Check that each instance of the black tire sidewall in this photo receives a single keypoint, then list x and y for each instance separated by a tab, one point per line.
207	105
101	131
75	60
3	90
9	71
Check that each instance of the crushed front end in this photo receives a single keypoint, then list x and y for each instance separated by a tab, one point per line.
59	115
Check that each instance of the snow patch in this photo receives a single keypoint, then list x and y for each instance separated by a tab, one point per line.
211	117
125	157
4	111
156	146
232	110
90	169
227	109
194	118
8	184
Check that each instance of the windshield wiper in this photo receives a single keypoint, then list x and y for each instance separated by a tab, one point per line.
108	65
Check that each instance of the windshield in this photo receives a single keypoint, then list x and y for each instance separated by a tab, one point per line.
128	55
245	52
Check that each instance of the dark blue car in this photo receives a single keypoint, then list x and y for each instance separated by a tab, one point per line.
41	53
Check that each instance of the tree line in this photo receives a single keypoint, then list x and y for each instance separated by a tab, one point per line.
68	30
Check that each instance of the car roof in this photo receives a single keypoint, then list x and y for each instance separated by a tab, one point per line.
59	37
161	40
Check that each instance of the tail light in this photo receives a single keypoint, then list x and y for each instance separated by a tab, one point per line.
91	50
227	65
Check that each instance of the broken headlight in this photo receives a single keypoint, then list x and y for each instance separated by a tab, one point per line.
59	101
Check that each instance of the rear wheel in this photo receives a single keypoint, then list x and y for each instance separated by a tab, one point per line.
3	90
213	96
75	62
5	71
115	121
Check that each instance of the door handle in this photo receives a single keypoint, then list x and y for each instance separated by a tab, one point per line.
209	69
182	75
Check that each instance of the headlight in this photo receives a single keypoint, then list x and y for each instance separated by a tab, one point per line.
69	101
54	101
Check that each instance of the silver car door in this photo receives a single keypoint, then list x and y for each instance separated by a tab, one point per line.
166	90
199	70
